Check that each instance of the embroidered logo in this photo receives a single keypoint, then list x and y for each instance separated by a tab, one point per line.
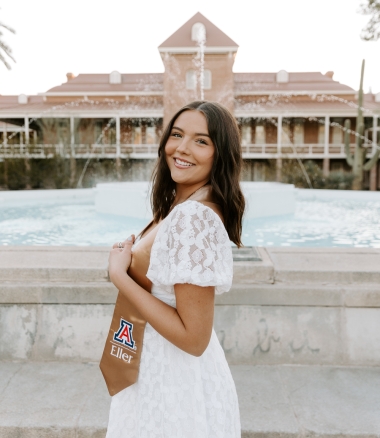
124	334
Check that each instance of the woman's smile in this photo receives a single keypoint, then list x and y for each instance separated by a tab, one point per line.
182	164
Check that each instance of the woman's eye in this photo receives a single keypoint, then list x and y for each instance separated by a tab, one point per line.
201	141
176	134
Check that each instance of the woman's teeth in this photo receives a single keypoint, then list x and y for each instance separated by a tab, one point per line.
183	163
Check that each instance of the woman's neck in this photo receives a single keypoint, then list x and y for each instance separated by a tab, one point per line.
183	192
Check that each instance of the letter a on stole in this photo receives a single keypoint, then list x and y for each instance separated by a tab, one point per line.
124	334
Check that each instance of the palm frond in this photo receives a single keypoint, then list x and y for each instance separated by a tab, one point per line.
4	61
7	27
4	48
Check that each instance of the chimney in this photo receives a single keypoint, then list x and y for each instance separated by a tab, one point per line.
329	74
70	76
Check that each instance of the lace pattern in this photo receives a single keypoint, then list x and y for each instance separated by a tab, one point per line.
192	246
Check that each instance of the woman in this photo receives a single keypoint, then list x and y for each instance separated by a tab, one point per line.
184	388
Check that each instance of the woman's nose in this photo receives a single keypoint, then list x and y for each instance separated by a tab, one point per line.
183	146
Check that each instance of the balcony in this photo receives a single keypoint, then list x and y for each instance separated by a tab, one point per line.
78	151
149	151
289	150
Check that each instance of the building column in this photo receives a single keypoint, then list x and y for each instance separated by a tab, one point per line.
279	151
73	162
118	152
326	152
373	171
5	135
27	160
26	124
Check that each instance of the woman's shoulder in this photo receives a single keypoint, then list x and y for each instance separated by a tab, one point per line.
205	210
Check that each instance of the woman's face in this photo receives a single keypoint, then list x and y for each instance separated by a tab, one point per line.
189	149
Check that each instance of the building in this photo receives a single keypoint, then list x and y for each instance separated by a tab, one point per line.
283	115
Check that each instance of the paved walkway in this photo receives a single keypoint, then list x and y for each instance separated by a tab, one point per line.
69	400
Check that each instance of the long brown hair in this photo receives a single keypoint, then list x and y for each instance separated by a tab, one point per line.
225	172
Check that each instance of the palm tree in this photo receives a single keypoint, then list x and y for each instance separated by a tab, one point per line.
5	50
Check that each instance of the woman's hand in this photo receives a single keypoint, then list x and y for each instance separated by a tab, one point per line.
120	258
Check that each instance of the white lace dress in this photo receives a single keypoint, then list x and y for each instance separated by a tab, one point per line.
178	395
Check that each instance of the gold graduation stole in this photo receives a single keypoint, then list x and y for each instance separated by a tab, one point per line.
120	362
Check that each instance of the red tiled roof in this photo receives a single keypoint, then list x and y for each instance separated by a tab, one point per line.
214	36
37	105
321	103
298	81
143	82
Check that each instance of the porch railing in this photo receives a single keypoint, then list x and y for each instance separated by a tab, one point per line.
149	151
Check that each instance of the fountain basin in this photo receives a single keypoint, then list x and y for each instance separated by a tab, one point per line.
264	199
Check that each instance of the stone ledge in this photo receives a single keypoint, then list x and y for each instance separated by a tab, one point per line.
295	265
275	401
326	265
278	294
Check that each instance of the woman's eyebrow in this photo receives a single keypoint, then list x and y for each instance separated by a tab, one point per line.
197	133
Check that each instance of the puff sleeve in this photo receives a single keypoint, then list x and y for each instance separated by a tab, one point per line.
192	246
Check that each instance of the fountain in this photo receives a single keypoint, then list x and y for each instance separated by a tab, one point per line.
131	199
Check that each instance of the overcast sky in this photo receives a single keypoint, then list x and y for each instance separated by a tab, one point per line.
92	36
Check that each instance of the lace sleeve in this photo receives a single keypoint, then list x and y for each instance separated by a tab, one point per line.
192	246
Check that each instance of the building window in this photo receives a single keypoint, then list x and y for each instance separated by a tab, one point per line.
207	79
198	32
98	132
136	135
285	135
115	77
298	133
150	135
337	135
191	80
246	135
321	134
259	134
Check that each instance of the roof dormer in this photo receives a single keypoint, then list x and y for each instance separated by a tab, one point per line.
115	77
282	77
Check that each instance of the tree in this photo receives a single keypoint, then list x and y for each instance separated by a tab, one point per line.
5	50
372	30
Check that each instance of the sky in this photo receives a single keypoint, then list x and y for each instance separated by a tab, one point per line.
92	36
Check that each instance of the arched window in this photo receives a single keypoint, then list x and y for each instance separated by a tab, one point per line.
115	77
191	80
282	76
198	32
207	79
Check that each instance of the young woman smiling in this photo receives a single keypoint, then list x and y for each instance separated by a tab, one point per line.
172	272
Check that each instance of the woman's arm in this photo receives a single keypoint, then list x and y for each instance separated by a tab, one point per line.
188	326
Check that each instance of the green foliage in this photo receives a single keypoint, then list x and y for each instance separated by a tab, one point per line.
292	174
337	180
54	173
371	32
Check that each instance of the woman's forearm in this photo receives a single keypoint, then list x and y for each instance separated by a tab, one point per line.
162	317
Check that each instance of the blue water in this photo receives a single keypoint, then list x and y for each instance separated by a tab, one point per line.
314	224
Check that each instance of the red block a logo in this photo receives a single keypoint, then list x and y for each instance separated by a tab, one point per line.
124	334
